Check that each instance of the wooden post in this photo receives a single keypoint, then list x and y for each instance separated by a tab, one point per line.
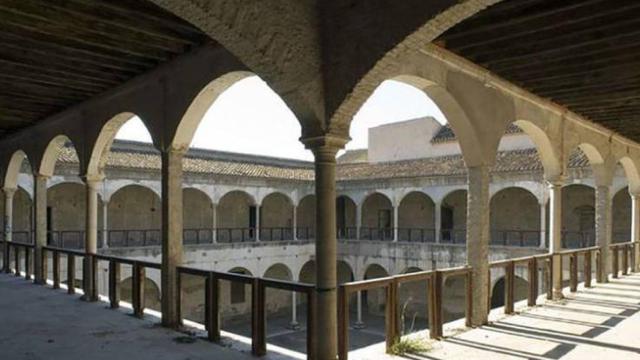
258	338
469	298
573	272
137	295
179	296
532	270
509	288
615	263
435	305
56	269
114	284
587	269
212	307
625	260
7	257
391	318
343	323
71	274
598	267
27	270
16	254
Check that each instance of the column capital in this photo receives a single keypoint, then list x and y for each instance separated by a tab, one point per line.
326	146
557	181
39	176
92	179
9	191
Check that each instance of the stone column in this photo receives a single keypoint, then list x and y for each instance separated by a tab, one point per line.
214	223
543	225
294	223
91	236
8	224
294	325
478	240
258	223
635	228
105	223
359	323
395	224
358	220
603	229
437	236
171	234
555	234
40	213
324	150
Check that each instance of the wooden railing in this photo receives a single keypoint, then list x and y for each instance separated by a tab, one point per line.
628	258
258	301
433	280
14	250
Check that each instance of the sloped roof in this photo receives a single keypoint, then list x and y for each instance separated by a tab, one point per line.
445	133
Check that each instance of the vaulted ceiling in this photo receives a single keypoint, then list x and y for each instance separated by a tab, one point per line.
582	54
55	54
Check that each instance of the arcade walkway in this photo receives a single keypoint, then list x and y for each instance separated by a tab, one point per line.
598	323
42	323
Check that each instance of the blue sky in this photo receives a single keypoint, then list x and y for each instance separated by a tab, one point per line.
250	118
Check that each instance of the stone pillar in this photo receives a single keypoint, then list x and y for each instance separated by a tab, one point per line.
478	240
437	236
358	220
395	224
359	323
91	236
294	325
294	223
258	223
105	223
214	223
543	225
635	228
555	234
324	150
171	234
40	213
603	229
8	225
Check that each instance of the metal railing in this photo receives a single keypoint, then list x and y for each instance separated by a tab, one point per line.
423	235
433	280
276	234
578	239
374	233
521	238
453	236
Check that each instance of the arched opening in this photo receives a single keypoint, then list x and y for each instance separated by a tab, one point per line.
453	217
236	217
416	218
276	218
413	302
151	293
308	272
306	218
236	300
278	302
578	216
66	214
377	218
22	216
197	217
621	216
19	176
520	291
134	214
374	300
515	218
346	214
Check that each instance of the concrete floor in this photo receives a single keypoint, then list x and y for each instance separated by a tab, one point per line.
599	323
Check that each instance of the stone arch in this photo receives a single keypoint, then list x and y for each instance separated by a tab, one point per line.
102	144
416	217
515	217
453	218
308	272
236	217
276	217
151	293
374	299
497	293
306	217
197	212
346	217
13	169
67	204
200	105
377	217
278	300
345	272
51	154
621	216
412	297
578	215
134	214
632	174
549	156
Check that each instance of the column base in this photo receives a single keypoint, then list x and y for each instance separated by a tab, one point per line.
557	295
294	325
